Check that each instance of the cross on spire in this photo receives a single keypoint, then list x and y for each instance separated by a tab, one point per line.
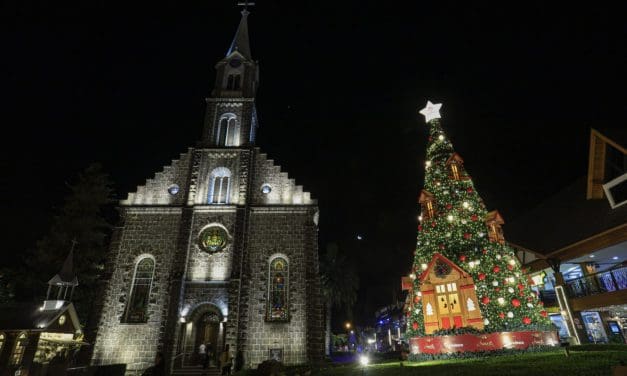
245	4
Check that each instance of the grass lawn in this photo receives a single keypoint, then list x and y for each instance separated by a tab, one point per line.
588	360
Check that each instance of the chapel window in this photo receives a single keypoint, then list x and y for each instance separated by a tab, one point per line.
278	282
18	350
137	306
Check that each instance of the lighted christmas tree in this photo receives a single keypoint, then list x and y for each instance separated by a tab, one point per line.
464	274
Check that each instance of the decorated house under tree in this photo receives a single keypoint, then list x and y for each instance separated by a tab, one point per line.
468	287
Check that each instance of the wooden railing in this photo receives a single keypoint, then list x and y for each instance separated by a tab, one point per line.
598	283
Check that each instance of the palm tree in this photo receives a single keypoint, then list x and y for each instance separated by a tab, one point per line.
339	286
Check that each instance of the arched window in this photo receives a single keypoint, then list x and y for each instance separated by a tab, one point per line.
227	130
220	186
18	350
233	82
278	283
137	305
2	339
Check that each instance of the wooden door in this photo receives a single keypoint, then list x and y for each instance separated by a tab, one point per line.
449	306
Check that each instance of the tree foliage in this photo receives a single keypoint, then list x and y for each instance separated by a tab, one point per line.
81	218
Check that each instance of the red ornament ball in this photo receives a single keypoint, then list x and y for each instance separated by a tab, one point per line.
449	206
416	299
497	289
414	325
516	302
540	303
496	269
467	236
474	217
510	267
469	190
407	314
462	258
484	251
433	224
529	299
501	315
419	227
481	276
544	313
430	138
521	293
520	286
485	300
526	320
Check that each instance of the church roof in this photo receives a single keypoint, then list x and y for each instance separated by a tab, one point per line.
241	42
31	316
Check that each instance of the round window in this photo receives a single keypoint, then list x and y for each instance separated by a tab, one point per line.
174	189
61	320
212	239
266	188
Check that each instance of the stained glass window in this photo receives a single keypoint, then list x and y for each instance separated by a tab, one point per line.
212	239
137	306
277	305
18	351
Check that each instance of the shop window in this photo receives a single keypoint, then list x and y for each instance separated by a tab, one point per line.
18	350
278	282
137	306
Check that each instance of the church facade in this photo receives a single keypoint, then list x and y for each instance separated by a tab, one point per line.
220	247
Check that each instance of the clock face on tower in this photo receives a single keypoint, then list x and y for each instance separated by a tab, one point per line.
235	63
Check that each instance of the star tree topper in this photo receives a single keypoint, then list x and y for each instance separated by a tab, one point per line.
431	111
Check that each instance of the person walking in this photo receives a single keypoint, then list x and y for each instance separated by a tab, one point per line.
209	354
202	353
226	361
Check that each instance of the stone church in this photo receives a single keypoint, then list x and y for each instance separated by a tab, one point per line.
220	247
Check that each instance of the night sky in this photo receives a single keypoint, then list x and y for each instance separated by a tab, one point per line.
341	83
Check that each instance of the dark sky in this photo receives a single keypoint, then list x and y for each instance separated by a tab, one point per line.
341	83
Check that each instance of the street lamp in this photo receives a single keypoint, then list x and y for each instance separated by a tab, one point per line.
348	325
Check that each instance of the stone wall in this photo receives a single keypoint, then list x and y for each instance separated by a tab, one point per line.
146	231
286	231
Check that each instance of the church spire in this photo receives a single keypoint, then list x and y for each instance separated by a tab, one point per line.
65	278
241	42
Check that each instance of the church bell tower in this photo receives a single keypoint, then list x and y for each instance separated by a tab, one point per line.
231	118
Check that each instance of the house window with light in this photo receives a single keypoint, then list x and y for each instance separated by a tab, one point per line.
18	350
427	202
137	305
220	186
278	282
455	163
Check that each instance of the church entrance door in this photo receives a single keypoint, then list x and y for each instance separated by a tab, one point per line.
208	329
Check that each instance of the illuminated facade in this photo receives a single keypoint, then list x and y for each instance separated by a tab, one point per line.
219	247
